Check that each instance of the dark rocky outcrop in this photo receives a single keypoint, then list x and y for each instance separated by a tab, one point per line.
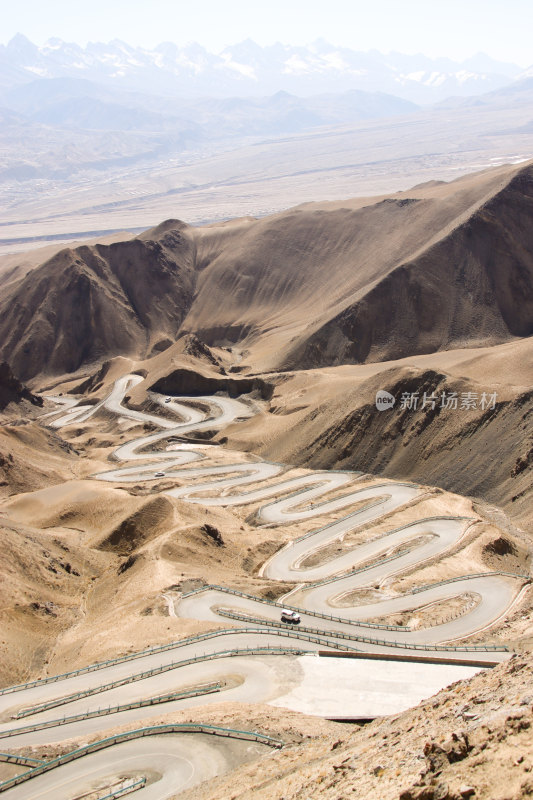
12	390
194	384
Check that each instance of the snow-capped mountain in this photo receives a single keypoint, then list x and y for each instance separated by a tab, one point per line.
248	69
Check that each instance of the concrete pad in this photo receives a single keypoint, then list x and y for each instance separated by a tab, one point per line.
368	688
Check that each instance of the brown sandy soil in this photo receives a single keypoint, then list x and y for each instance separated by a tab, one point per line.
44	578
32	457
10	770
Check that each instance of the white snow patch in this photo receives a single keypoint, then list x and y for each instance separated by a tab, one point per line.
464	76
415	76
43	73
196	66
335	61
243	69
436	79
296	66
50	45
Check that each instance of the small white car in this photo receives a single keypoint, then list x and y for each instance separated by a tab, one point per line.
159	475
168	400
290	616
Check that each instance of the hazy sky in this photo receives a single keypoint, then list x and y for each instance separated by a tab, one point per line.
454	28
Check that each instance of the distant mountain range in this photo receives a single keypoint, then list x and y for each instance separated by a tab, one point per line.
54	127
112	135
80	103
246	69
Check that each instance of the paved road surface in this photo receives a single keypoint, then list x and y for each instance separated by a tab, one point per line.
327	621
171	763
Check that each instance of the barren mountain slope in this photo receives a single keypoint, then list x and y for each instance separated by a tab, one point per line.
32	457
474	286
36	573
92	302
12	391
320	284
442	266
471	740
327	418
16	265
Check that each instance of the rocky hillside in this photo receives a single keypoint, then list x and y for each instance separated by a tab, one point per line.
440	267
87	304
472	741
485	453
473	285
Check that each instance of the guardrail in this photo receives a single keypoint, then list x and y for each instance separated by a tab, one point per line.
154	730
364	508
211	634
315	479
163	648
381	642
129	787
526	578
312	635
301	629
381	561
100	712
139	676
321	477
174	645
276	604
342	620
344	575
24	761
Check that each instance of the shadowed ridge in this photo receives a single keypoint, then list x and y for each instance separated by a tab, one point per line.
472	287
445	266
94	302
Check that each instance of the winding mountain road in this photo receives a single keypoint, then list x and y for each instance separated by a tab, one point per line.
258	659
430	537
